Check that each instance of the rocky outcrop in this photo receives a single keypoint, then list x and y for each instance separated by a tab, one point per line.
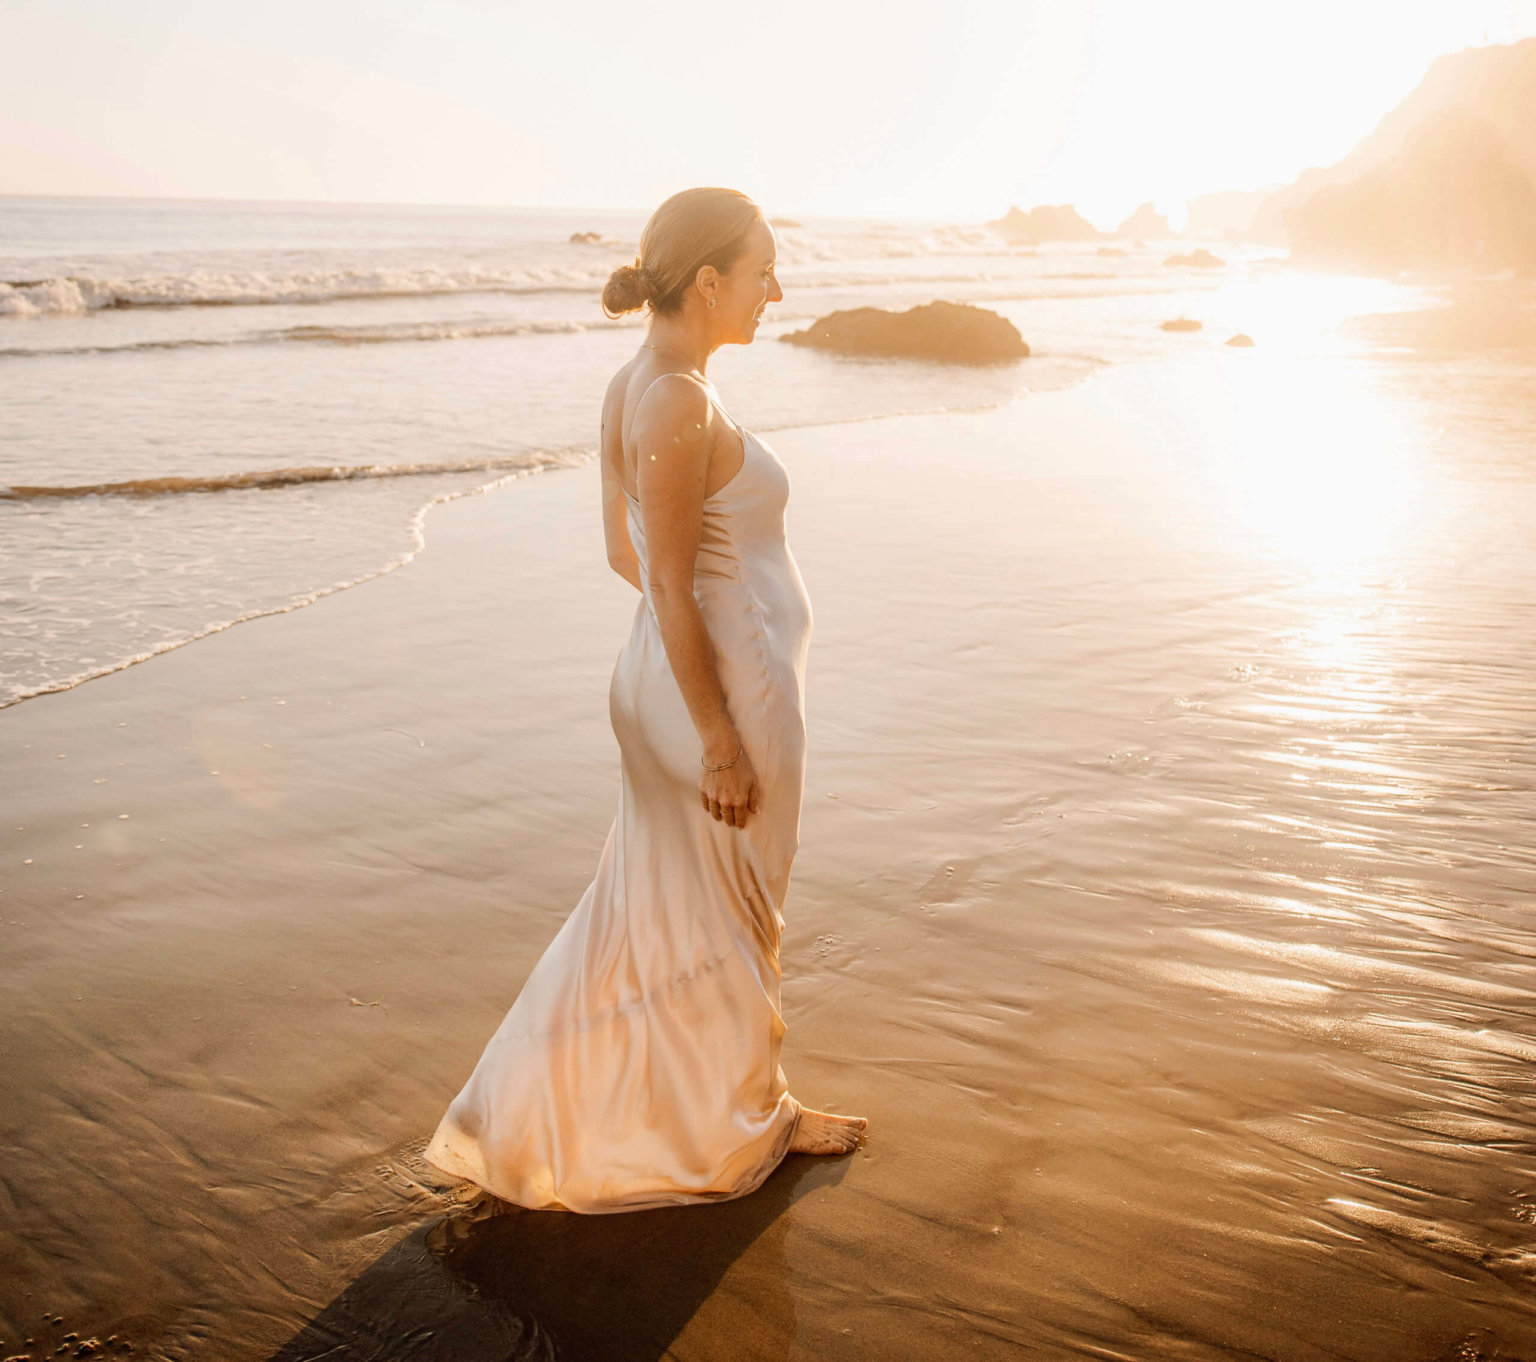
1200	259
1453	197
1183	324
1240	340
590	239
1062	223
1474	115
1146	221
953	332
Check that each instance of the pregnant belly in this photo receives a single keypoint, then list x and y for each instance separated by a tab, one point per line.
758	648
760	628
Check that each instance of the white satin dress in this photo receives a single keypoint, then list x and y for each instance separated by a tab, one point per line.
639	1066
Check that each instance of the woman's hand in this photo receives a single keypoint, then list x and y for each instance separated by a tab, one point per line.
730	795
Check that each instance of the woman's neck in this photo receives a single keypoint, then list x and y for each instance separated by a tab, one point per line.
681	341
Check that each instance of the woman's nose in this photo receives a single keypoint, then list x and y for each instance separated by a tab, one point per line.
777	292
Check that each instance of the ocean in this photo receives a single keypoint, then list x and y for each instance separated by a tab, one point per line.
214	410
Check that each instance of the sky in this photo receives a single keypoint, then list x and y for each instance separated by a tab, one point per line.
813	107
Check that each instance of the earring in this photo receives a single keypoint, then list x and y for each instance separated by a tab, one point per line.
711	302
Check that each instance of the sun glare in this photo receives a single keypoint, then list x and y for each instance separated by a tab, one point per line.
1327	469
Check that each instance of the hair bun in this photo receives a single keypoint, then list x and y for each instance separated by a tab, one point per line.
628	288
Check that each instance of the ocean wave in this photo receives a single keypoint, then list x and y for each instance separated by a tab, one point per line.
380	333
562	458
385	333
559	267
69	295
532	462
80	295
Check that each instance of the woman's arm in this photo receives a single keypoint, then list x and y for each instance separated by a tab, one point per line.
675	432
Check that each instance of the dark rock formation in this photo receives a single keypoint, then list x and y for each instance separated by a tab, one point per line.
1200	258
1062	223
588	239
1240	340
954	332
1183	324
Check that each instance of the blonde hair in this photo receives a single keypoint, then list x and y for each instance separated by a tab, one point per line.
694	228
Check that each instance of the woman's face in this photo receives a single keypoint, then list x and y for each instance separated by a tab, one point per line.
749	287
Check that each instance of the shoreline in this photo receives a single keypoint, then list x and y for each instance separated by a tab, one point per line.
545	461
415	526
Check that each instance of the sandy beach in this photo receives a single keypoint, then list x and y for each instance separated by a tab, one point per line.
1162	900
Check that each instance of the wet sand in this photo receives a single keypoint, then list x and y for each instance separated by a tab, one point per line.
1163	901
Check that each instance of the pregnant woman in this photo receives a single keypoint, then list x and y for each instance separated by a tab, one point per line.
639	1066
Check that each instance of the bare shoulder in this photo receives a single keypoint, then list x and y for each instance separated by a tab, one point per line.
674	410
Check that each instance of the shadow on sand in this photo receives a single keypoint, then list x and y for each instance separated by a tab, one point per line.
514	1284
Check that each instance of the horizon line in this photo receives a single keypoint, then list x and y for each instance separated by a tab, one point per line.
128	197
642	213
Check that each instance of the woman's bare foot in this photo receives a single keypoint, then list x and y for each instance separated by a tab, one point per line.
821	1132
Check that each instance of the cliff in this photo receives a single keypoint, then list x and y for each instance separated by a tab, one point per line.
1446	177
1453	197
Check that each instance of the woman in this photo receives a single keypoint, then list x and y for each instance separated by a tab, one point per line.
640	1064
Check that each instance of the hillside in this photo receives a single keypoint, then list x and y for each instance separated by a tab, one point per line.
1447	177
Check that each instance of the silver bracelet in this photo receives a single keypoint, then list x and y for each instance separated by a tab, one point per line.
723	764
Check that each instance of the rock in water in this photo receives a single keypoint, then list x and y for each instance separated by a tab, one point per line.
1183	324
1201	258
1240	339
1146	221
1046	223
954	332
